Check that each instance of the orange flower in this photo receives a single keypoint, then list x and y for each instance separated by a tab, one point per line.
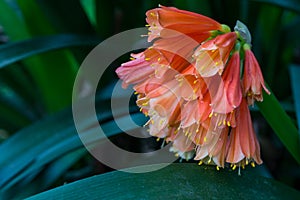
253	80
243	146
181	22
177	33
212	55
188	83
134	71
229	94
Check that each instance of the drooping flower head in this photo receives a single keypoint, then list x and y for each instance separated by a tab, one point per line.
195	88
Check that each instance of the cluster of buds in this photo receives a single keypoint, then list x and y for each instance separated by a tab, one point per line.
195	82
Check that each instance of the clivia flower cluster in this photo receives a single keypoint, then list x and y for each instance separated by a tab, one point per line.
195	83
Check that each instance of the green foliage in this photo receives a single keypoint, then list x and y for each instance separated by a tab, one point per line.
48	40
295	74
183	181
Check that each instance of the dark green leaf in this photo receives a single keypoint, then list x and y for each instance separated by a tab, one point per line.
295	81
17	51
90	10
9	19
281	124
32	148
176	181
54	82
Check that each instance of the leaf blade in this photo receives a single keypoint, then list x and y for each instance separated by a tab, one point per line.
281	124
14	52
179	181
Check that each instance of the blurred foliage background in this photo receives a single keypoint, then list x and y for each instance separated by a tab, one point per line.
43	43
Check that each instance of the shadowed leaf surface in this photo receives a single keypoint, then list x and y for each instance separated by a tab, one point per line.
176	181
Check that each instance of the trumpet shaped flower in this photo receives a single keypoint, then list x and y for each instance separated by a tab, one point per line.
189	83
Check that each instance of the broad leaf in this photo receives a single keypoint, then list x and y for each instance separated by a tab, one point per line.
176	181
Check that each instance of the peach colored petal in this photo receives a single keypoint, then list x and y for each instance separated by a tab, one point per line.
235	153
245	130
183	143
229	94
178	20
253	80
211	56
134	71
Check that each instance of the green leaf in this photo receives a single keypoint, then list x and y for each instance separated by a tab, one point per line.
33	148
58	167
13	25
90	10
13	52
293	5
176	181
17	92
281	123
295	81
54	81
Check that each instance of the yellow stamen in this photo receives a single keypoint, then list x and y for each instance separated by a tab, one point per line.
228	123
252	164
147	25
210	115
158	59
131	58
218	168
195	81
135	92
205	139
161	122
220	123
209	161
152	14
234	167
200	162
176	155
186	133
147	59
157	139
247	162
